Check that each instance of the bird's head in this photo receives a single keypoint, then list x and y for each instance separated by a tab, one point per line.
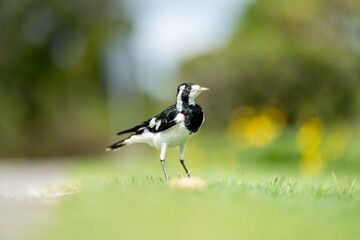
187	92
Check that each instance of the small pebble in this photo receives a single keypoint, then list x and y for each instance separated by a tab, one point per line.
188	183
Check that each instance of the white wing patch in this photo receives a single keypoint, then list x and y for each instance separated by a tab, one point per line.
158	123
152	123
155	123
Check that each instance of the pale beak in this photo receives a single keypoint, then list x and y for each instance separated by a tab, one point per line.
202	89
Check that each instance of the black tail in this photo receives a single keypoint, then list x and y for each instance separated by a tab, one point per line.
136	129
116	145
131	130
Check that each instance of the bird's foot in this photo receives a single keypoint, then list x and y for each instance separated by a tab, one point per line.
181	176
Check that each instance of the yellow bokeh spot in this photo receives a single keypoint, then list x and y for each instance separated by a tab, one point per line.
309	136
250	129
237	127
259	131
318	148
335	144
312	164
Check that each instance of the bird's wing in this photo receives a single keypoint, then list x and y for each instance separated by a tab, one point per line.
161	122
165	120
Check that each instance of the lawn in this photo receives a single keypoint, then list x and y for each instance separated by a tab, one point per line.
249	194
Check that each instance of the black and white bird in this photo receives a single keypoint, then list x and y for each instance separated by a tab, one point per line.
173	127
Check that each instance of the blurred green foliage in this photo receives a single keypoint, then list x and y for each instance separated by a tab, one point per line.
52	86
298	59
302	57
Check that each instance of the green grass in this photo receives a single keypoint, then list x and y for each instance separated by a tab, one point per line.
247	196
112	204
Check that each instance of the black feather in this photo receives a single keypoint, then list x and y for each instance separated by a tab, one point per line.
136	128
116	145
194	117
166	118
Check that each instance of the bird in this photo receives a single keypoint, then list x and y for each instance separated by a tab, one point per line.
171	128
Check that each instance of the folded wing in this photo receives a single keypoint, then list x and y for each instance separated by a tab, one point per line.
161	122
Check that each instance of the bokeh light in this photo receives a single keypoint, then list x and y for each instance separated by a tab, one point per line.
317	147
252	129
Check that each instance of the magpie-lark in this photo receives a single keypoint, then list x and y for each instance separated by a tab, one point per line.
173	127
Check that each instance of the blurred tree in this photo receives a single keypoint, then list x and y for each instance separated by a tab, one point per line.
303	56
52	87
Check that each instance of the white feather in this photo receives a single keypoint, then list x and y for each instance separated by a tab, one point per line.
179	102
152	123
158	123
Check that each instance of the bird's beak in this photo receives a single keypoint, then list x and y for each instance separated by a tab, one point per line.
202	89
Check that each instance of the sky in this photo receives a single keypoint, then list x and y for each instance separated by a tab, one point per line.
164	34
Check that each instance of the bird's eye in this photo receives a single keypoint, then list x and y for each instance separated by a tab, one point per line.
188	88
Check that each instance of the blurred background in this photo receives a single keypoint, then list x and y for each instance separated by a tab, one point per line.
284	76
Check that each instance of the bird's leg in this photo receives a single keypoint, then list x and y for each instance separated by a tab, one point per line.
164	169
162	160
182	153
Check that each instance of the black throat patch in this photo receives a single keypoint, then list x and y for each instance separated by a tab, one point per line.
194	117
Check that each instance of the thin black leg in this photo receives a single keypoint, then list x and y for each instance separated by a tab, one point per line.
183	164
182	154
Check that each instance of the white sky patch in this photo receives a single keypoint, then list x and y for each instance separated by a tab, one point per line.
173	30
168	32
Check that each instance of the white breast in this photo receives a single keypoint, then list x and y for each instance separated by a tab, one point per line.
173	137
